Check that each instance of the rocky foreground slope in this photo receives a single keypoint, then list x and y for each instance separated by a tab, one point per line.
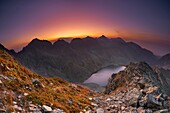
24	91
137	89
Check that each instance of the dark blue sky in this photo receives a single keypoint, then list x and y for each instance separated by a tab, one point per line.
146	22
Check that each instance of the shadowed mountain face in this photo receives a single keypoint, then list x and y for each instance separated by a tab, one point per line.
77	60
9	51
164	61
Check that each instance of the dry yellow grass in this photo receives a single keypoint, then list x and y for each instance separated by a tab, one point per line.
50	91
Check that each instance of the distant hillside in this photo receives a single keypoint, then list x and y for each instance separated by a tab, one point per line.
77	60
24	91
164	61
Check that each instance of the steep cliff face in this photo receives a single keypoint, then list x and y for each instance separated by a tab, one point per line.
77	60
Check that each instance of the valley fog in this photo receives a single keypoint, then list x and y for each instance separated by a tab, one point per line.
101	77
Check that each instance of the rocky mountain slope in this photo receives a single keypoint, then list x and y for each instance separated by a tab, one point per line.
137	89
24	91
77	60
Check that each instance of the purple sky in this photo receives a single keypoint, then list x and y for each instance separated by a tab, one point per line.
146	22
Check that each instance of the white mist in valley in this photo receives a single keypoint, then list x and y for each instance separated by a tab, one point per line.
101	77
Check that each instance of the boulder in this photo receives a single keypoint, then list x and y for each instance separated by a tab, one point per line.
94	104
2	110
100	110
70	101
133	102
162	111
46	109
25	94
36	83
57	111
17	107
1	82
153	102
142	83
140	110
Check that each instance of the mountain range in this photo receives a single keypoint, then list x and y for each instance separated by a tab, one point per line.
77	60
140	87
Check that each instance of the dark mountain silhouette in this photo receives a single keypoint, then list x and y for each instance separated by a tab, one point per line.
77	60
5	49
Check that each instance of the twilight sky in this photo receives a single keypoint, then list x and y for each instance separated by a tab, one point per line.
146	22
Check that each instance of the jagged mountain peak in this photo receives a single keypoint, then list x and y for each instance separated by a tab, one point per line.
60	42
88	37
2	47
103	37
76	40
38	42
36	39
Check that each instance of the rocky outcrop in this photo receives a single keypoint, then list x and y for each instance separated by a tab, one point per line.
137	89
139	75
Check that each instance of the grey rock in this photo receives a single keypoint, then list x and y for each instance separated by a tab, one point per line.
162	111
2	110
37	83
69	101
153	102
46	108
57	111
100	110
